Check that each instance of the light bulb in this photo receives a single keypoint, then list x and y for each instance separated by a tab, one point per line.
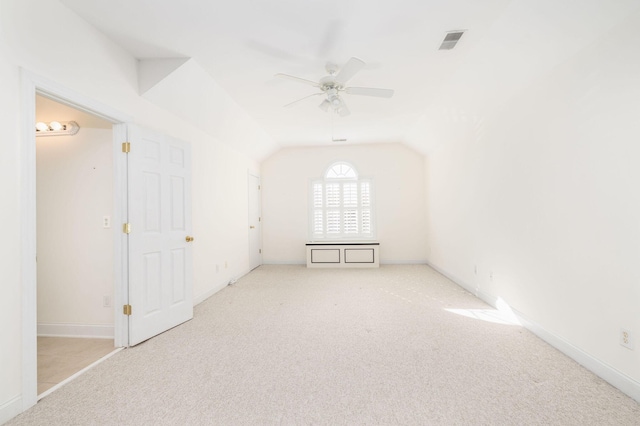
42	127
55	126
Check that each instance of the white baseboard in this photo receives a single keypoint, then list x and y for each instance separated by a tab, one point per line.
10	409
207	294
618	379
94	331
204	296
382	262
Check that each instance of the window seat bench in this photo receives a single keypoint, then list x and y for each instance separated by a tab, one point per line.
343	254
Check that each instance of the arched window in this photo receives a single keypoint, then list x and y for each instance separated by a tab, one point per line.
340	170
341	205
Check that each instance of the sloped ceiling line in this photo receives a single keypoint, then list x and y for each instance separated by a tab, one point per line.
152	71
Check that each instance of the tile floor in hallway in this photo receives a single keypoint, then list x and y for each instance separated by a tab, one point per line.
62	357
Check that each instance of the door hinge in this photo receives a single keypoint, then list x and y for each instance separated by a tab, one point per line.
126	228
259	219
126	147
259	188
126	309
260	251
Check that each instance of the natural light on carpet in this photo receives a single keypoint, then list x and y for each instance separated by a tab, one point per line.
502	315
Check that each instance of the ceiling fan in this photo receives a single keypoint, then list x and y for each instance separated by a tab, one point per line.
334	84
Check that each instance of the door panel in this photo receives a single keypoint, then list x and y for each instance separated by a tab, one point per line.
177	203
152	284
151	191
160	258
178	275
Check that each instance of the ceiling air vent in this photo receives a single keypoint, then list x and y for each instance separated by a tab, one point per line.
450	40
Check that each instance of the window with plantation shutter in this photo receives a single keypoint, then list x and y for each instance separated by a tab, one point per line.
341	205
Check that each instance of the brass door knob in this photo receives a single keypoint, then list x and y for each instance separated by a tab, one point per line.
189	239
252	227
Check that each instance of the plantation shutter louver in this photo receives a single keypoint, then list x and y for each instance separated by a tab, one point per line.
341	205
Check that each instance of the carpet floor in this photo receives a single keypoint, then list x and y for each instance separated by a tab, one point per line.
286	345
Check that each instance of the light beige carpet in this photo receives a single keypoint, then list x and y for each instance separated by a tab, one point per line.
290	346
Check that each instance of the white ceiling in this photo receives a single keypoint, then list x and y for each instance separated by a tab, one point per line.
243	43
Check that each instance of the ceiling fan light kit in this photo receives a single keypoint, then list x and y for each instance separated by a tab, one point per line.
334	83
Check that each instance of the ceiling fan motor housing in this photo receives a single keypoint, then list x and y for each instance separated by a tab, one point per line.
332	68
329	82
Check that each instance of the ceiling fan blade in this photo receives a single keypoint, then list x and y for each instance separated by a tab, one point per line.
349	69
302	99
298	79
369	91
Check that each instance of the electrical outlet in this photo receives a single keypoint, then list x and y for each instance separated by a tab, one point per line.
106	301
626	338
106	221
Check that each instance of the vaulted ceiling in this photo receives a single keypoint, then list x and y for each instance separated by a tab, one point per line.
242	44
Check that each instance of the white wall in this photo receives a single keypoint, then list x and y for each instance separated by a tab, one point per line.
541	197
48	40
75	252
398	174
10	245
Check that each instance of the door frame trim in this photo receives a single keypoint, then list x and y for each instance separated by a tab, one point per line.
32	84
251	174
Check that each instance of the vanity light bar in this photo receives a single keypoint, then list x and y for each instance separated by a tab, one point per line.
57	128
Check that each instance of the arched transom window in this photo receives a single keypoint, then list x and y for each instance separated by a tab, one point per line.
340	171
341	205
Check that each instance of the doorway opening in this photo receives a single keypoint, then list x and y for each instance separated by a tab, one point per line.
136	178
74	240
33	85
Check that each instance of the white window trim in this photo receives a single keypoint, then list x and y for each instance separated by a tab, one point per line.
341	236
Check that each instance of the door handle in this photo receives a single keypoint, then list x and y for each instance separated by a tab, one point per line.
252	227
189	239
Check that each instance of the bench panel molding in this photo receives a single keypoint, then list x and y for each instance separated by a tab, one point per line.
339	254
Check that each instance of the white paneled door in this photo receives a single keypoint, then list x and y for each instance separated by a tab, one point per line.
255	222
159	240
